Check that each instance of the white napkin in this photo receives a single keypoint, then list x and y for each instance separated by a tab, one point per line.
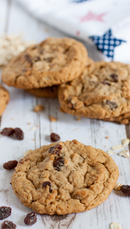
106	23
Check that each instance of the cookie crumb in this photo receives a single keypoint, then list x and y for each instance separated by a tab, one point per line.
107	137
125	142
124	153
110	152
29	123
38	126
117	147
118	186
114	225
38	108
61	110
52	119
78	118
33	139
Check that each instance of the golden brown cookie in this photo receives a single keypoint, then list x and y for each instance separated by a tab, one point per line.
52	62
63	178
4	99
102	91
45	92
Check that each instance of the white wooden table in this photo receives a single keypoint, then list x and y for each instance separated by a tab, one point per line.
15	20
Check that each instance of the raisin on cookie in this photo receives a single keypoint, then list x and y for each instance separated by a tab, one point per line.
4	99
45	92
52	62
102	91
63	178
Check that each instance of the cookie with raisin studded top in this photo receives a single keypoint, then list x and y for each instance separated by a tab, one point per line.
102	91
52	62
4	99
63	178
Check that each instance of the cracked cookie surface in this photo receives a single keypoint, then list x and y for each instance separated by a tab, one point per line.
63	178
102	91
45	92
52	62
4	99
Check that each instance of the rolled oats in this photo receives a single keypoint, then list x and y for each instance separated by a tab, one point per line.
115	226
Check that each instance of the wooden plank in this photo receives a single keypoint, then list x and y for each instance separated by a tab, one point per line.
4	7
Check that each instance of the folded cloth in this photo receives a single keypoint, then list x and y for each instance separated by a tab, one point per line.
105	23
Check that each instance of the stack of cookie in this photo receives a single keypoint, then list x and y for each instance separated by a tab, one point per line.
94	90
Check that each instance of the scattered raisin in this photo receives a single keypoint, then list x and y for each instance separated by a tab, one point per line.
30	218
126	189
7	131
19	133
58	162
54	137
47	183
106	82
4	212
10	165
8	225
114	77
55	149
112	105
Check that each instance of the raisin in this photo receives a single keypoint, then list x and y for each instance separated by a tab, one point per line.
54	137
19	133
58	162
30	218
47	183
7	131
28	58
37	58
10	165
112	105
49	59
106	82
126	189
4	212
8	225
55	149
114	77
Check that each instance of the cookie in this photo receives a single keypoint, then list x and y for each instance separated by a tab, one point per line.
122	119
52	62
63	178
46	92
102	91
4	99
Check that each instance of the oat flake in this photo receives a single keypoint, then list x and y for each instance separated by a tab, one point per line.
125	142
115	226
118	186
124	153
110	152
10	46
117	147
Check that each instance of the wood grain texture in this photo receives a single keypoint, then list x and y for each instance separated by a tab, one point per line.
19	113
